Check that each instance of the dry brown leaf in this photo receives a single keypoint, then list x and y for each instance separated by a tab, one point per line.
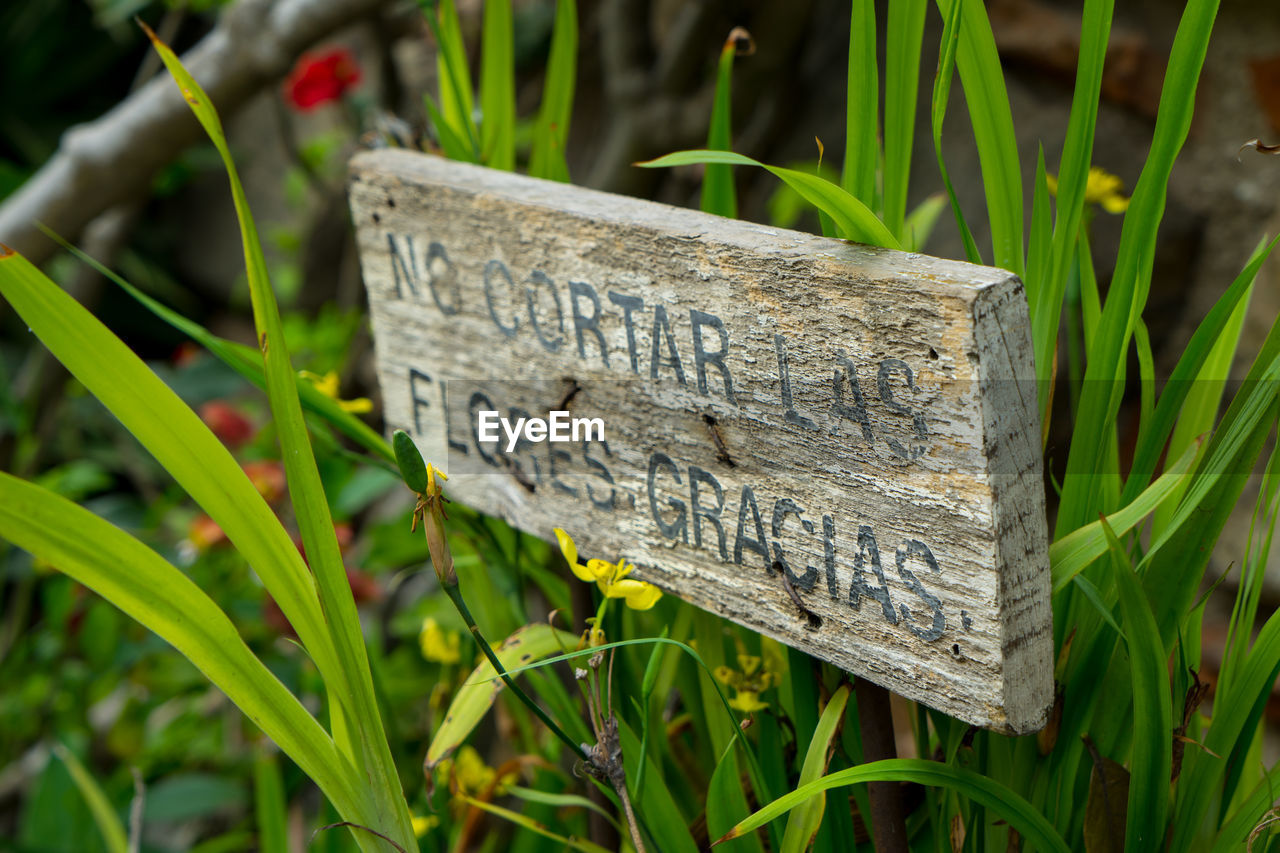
1106	811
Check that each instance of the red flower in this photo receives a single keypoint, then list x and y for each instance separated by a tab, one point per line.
204	533
319	78
267	477
364	587
226	423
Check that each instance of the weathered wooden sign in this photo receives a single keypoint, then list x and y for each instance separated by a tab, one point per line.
835	445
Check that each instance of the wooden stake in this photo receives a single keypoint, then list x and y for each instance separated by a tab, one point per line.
888	823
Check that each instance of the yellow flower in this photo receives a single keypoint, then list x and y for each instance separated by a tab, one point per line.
754	675
1103	188
471	777
611	578
747	701
423	825
328	386
436	644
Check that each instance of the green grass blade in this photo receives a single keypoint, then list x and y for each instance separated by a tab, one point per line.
1244	612
248	362
1203	772
853	218
904	38
1041	229
1200	409
551	133
938	114
1146	370
1045	297
269	806
718	195
988	101
311	509
150	590
1104	377
1252	810
1204	399
1153	434
562	801
806	818
1177	558
454	146
456	105
920	222
1152	758
1095	597
727	802
657	808
177	438
997	798
498	87
104	814
1076	551
534	826
862	108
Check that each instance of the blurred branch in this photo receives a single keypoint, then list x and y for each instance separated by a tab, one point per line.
113	159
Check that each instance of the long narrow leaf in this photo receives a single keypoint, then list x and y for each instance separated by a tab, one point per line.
1104	377
718	194
904	38
854	219
455	79
104	814
806	818
988	100
1152	758
938	114
551	133
1045	292
1152	436
996	797
269	806
498	87
727	802
1078	549
861	148
177	438
147	588
477	695
247	362
526	822
354	690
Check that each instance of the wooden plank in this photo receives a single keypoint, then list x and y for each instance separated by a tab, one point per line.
780	410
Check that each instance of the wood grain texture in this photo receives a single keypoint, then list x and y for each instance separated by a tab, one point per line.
781	410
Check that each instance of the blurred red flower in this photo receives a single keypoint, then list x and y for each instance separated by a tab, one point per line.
364	588
320	78
204	533
267	477
226	423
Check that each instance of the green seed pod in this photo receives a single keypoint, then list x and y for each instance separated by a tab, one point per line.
412	468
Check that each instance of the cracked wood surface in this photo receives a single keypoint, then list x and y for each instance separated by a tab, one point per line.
779	409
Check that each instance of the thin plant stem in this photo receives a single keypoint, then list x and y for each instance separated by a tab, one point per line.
455	595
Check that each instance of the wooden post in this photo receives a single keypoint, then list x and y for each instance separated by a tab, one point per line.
875	719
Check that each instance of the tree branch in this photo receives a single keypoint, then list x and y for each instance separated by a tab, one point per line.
113	159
